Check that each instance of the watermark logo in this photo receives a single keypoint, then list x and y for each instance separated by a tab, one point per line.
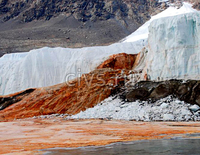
100	80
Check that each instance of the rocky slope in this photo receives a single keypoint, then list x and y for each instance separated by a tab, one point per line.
173	100
187	91
86	10
196	4
28	24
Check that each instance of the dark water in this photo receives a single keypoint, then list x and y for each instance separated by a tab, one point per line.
147	147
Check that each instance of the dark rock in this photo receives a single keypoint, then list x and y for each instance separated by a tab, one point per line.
140	91
137	94
9	100
197	5
149	85
102	9
185	89
3	3
161	91
4	10
195	95
29	15
188	91
5	19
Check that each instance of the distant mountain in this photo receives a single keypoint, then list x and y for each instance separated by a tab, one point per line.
82	10
197	5
30	24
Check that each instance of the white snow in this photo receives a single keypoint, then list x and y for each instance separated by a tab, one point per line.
167	109
194	108
164	105
49	66
143	32
163	1
168	117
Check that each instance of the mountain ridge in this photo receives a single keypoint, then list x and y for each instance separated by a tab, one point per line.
27	25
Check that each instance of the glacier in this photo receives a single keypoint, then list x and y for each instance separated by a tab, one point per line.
143	32
174	48
50	66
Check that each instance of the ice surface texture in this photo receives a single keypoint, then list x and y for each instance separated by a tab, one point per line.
143	32
174	48
167	109
50	66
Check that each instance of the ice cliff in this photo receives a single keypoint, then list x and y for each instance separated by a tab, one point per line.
143	32
174	48
50	66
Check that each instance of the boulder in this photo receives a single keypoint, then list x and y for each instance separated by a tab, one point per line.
185	89
150	85
137	94
195	94
161	91
164	89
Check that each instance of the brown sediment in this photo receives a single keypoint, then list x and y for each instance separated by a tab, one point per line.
72	97
119	61
28	135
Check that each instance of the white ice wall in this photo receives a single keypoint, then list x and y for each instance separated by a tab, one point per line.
174	47
142	32
49	66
